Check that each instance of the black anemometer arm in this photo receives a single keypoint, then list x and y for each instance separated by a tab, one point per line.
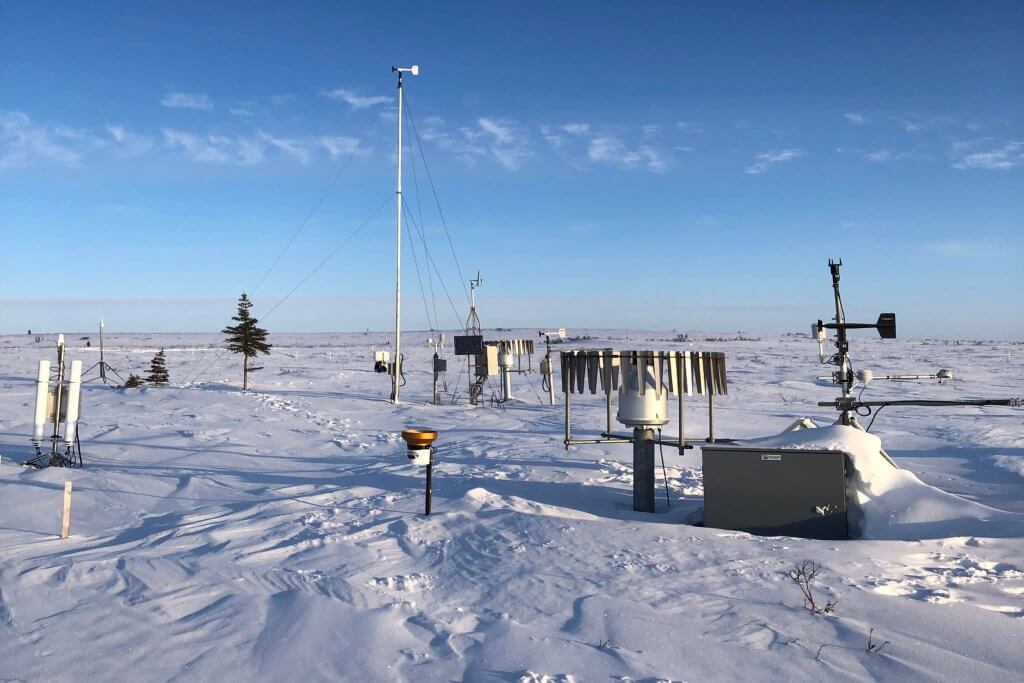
850	403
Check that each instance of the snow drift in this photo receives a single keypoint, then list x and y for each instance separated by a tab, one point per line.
891	503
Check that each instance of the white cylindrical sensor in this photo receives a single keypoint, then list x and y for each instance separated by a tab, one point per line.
42	398
649	409
74	401
419	456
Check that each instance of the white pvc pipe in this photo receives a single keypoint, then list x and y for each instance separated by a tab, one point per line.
74	398
398	257
42	394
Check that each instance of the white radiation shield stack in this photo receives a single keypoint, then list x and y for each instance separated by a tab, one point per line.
42	401
74	401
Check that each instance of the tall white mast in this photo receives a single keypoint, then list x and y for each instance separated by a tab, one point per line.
396	379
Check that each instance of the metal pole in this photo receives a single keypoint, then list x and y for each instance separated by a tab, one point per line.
430	471
711	416
551	371
103	364
682	422
568	432
437	395
842	345
397	265
643	469
58	392
608	408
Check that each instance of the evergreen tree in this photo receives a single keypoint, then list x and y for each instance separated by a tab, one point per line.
158	370
246	338
134	381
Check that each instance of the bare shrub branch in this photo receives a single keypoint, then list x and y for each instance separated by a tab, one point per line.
804	574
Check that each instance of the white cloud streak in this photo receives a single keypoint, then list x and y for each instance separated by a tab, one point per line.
353	100
855	118
763	162
339	146
987	154
506	141
185	100
611	150
24	143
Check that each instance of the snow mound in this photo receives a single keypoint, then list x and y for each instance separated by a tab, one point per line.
891	503
1010	463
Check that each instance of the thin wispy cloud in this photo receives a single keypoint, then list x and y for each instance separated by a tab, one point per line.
282	98
763	162
855	118
611	150
878	155
507	142
186	100
241	150
296	149
23	143
339	146
215	149
240	111
987	154
126	144
690	127
557	136
354	100
503	140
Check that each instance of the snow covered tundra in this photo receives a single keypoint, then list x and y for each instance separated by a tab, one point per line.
277	534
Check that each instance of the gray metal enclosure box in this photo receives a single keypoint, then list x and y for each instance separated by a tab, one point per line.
776	491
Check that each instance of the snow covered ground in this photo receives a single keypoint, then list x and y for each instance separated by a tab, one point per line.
276	534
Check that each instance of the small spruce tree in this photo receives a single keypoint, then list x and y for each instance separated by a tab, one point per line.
158	370
246	338
134	381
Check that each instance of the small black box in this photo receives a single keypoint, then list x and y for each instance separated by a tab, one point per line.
469	344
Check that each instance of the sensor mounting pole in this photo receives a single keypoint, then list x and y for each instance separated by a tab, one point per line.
396	377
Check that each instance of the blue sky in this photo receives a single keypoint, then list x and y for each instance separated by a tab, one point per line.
666	165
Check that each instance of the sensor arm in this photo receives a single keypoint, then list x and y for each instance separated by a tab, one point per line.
852	404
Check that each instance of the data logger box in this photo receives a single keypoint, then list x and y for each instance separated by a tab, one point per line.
776	491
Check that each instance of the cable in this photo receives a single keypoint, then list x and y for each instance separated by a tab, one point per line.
320	265
312	211
419	278
331	255
437	201
302	225
872	421
533	386
423	228
664	472
433	263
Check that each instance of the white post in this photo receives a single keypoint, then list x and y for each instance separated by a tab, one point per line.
398	257
103	364
42	398
74	398
397	379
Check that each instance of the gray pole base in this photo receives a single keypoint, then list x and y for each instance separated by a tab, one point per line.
643	470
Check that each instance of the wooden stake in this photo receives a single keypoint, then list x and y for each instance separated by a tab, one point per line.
65	528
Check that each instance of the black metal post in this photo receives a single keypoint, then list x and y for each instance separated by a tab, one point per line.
430	471
643	469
